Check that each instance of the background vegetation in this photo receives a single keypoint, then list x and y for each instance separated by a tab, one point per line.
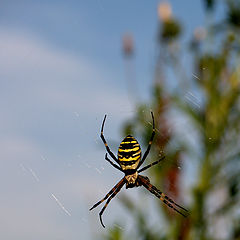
205	96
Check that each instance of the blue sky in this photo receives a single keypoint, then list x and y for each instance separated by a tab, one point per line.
61	70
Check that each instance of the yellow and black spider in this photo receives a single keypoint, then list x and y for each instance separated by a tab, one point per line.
129	160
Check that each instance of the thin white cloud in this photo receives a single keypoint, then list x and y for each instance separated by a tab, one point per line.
32	69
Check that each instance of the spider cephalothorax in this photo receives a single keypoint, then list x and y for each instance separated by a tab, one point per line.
129	160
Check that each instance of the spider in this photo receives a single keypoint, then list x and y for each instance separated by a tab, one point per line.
129	160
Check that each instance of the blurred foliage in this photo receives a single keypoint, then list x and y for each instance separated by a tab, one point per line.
171	29
213	197
234	16
209	4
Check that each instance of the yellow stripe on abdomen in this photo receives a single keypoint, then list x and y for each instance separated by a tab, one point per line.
129	150
129	153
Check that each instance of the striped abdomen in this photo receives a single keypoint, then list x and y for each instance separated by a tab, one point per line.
129	153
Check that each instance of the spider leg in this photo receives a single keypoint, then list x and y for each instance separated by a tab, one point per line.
105	142
149	144
113	164
109	193
150	165
168	199
110	198
159	194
